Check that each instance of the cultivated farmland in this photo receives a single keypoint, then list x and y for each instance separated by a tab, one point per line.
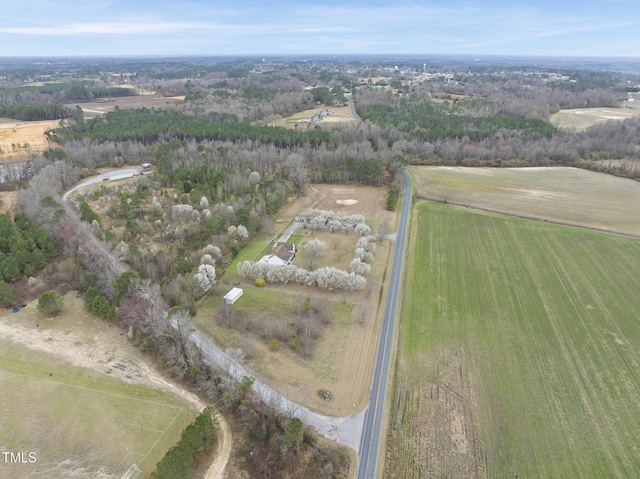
563	195
581	118
518	351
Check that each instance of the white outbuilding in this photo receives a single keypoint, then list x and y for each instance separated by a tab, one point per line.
233	295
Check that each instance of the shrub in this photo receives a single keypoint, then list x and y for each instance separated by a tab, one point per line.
392	198
260	282
50	303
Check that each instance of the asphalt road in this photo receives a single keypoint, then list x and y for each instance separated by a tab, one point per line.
345	430
97	179
369	450
353	109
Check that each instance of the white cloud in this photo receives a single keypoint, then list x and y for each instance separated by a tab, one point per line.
107	28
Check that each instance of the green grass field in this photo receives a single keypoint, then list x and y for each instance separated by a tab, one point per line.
79	424
564	195
518	351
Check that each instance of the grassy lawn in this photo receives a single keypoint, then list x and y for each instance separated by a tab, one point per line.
518	351
78	421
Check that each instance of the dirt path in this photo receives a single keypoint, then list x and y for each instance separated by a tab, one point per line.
103	349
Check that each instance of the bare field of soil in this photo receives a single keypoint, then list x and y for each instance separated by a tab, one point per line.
22	138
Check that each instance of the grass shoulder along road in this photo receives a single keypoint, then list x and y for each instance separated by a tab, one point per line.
517	350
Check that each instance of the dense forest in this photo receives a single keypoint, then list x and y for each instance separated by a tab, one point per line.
150	126
428	121
36	111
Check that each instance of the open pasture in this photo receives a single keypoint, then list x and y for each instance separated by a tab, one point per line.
303	119
562	195
78	424
518	351
581	118
102	106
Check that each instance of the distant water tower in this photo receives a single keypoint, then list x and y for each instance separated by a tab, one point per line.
424	67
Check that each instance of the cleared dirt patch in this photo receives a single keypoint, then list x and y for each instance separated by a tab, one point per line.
303	119
8	201
365	200
19	139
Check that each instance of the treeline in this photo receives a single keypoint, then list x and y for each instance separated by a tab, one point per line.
81	92
529	96
150	126
329	96
36	111
196	441
610	140
428	121
62	92
24	249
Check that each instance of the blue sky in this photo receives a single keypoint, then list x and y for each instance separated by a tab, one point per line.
199	27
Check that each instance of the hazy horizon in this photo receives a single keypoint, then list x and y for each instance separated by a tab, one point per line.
606	28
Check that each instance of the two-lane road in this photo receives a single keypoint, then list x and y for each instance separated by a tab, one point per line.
369	451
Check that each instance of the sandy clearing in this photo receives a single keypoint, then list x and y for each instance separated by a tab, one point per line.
93	344
22	138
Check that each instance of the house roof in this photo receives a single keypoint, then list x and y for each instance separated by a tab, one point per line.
283	250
